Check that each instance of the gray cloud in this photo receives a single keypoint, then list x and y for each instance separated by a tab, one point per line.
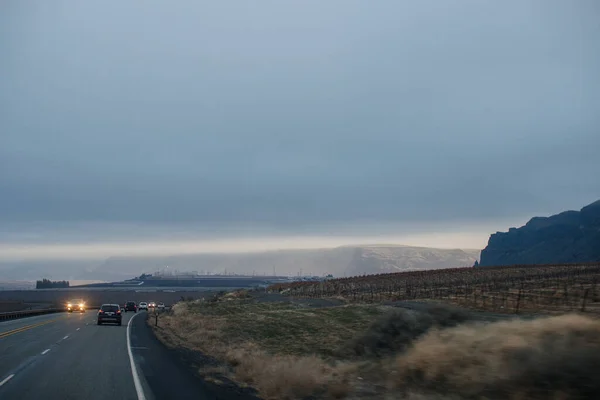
297	114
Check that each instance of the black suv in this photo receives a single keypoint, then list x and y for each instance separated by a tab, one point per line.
131	306
110	313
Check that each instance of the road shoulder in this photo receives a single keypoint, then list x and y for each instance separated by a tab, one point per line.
170	373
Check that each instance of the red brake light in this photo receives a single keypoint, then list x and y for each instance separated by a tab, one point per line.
118	311
100	311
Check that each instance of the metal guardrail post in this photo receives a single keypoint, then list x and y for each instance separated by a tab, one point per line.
26	313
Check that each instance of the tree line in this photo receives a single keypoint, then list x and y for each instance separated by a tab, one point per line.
48	284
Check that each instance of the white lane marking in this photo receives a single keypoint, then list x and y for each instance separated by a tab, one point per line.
134	371
8	378
65	337
45	351
77	329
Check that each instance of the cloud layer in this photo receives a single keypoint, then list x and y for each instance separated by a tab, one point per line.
296	115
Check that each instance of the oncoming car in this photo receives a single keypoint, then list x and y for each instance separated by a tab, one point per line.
110	313
76	305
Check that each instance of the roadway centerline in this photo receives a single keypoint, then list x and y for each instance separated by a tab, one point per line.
23	329
77	329
66	337
8	378
45	351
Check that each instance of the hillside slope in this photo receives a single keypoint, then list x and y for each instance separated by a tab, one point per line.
568	237
340	261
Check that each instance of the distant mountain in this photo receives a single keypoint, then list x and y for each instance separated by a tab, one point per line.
568	237
340	261
382	259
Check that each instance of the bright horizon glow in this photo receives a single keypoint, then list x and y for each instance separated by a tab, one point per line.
104	249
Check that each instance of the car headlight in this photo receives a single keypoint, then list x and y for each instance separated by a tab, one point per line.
69	305
81	305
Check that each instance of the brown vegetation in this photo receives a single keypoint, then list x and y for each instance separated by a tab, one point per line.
547	288
285	351
395	331
547	358
369	351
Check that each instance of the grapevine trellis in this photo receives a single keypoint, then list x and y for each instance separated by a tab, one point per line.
550	287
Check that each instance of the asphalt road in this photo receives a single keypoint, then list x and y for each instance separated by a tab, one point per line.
68	356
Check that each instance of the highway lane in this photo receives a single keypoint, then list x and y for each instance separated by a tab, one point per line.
66	356
11	324
23	339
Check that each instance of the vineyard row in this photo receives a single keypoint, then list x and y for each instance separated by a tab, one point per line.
501	289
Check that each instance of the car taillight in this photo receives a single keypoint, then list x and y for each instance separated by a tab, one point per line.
100	312
118	311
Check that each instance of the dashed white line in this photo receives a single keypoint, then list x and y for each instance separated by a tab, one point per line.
77	329
45	351
65	337
134	371
8	378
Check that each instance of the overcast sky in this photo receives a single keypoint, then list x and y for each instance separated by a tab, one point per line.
157	120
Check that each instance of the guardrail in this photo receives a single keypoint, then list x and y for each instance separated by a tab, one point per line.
28	313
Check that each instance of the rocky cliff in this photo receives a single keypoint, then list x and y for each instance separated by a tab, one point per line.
568	237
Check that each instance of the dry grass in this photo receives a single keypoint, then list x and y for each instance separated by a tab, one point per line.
277	328
287	351
187	330
279	376
395	331
546	358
